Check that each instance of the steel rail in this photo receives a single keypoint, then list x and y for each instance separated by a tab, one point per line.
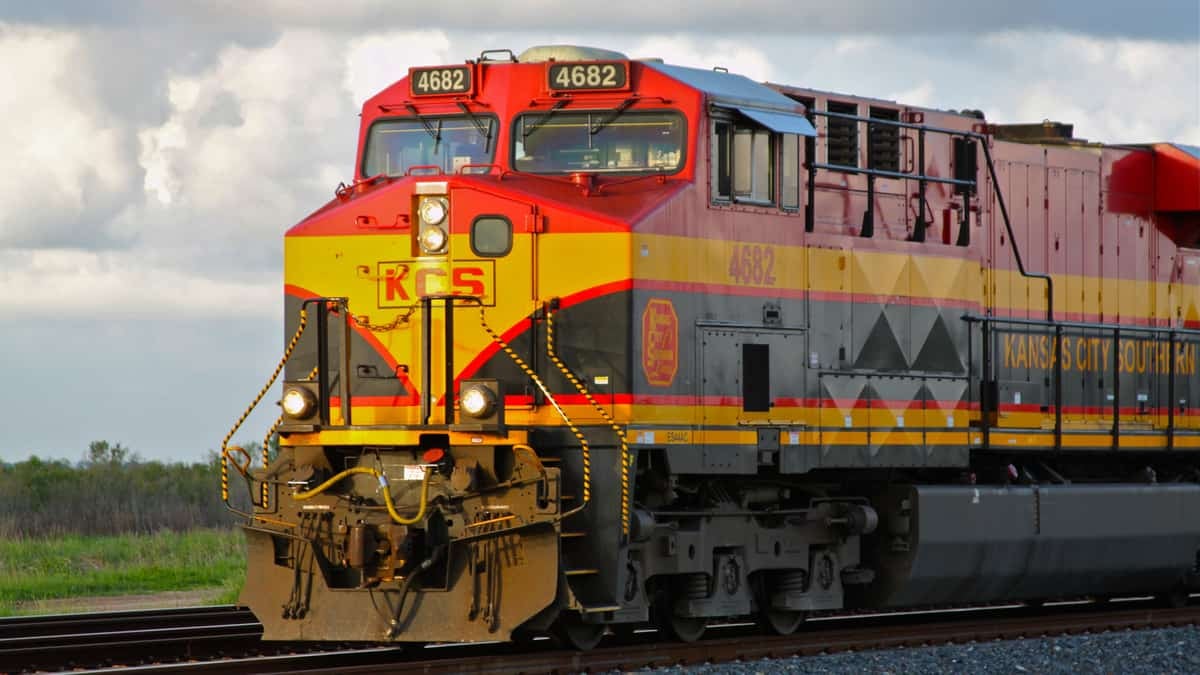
58	624
738	642
58	641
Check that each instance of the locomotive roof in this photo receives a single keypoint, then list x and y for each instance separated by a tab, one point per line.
756	101
728	88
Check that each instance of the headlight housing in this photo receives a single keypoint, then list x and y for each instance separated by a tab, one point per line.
432	239
298	402
433	236
432	210
477	400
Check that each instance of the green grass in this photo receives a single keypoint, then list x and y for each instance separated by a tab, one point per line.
74	566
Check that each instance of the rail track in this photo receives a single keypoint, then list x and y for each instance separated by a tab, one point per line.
65	641
225	640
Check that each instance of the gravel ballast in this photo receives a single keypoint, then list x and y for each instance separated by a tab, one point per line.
1168	650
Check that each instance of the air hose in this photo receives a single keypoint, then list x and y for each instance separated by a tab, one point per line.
383	485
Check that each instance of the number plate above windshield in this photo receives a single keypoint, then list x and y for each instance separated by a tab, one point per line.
590	75
439	81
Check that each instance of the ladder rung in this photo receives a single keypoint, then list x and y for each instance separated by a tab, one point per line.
572	535
567	498
581	572
550	460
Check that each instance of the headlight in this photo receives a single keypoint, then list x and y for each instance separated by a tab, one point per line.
298	402
433	239
433	211
477	400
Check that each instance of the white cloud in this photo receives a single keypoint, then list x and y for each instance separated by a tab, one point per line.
250	145
64	163
683	50
919	96
52	283
376	61
1113	90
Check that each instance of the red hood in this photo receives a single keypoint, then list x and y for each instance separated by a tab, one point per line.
610	204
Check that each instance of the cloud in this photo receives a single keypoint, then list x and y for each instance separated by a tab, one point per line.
1157	19
683	50
921	96
65	162
1113	90
52	283
376	61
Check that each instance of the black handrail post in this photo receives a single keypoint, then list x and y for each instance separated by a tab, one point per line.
810	155
970	359
344	366
1170	390
448	397
426	357
868	224
1116	407
323	381
985	383
1058	413
918	234
964	225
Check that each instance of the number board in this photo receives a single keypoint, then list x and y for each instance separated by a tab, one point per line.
590	75
439	81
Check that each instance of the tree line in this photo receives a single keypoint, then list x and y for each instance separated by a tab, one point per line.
113	491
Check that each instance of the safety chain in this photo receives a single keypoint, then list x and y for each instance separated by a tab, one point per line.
587	459
400	320
225	449
582	389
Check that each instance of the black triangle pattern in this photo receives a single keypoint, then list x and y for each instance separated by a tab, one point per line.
939	353
881	351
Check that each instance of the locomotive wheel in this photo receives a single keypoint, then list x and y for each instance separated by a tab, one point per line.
683	628
574	633
780	621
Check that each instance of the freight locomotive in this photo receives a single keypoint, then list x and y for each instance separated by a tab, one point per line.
592	342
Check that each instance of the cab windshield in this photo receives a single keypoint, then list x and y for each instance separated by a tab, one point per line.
396	145
601	141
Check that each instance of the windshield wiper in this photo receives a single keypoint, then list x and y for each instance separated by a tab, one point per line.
436	133
612	117
486	132
537	124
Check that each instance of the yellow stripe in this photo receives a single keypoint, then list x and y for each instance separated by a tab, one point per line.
748	437
897	276
399	437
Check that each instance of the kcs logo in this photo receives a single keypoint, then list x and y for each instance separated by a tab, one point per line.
404	282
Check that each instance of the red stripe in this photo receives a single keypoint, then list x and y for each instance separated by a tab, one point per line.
414	396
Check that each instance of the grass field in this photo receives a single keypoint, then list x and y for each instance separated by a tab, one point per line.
74	566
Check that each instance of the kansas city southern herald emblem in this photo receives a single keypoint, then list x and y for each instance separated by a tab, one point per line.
660	342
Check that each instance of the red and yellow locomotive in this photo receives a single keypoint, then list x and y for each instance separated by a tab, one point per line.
591	342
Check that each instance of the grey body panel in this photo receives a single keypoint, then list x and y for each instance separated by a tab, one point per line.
980	544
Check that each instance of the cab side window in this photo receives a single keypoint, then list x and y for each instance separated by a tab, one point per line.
789	171
743	163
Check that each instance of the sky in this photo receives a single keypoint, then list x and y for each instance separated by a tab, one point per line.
155	152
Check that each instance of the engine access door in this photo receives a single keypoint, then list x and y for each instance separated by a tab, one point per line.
751	379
